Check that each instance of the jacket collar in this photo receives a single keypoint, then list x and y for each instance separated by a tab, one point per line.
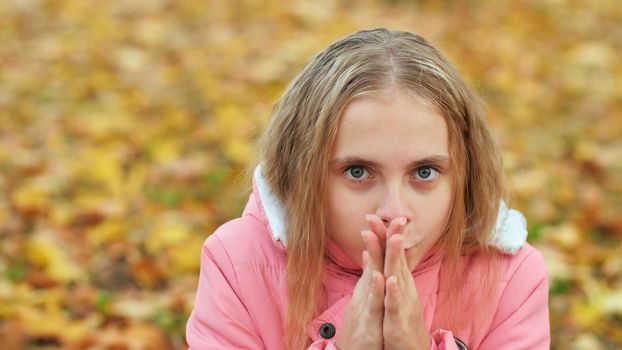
509	234
272	208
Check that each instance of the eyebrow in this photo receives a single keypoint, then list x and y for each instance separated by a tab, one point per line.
435	159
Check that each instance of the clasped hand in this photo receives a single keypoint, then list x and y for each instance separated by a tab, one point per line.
384	312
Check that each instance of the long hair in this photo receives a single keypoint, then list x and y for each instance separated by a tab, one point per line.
299	139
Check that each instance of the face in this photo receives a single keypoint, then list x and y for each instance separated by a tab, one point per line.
391	158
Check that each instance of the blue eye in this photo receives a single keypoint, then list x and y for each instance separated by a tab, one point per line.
426	173
357	172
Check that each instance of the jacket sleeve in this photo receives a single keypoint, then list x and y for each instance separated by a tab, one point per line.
219	319
521	320
522	317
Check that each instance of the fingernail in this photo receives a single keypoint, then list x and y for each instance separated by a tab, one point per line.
376	274
392	280
368	217
401	221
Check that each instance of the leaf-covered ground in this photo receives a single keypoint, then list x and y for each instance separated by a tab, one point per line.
126	128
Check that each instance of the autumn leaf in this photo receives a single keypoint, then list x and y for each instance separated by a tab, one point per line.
125	131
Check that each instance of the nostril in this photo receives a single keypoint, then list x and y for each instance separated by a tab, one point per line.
386	222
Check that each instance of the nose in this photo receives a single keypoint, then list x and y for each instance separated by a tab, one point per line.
393	205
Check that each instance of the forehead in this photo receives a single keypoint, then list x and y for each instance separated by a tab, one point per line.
393	125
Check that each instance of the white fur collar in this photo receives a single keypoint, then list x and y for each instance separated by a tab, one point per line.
509	235
271	206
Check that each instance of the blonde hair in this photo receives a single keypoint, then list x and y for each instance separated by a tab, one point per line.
298	142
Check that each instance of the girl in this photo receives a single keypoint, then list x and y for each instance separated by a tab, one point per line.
376	220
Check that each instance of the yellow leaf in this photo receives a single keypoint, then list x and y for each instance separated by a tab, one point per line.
238	151
39	323
566	235
557	264
167	234
130	58
586	313
41	313
165	150
101	165
31	196
107	231
133	308
61	214
44	251
229	122
587	341
185	256
612	303
529	182
7	298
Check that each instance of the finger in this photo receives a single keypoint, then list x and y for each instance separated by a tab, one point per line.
392	263
364	282
376	293
407	282
377	226
404	268
372	245
364	258
396	226
392	299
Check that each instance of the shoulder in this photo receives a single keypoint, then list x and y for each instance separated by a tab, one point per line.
515	278
523	287
527	264
244	241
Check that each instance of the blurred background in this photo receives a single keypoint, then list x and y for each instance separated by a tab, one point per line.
126	127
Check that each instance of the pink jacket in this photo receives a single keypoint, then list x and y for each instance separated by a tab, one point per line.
241	297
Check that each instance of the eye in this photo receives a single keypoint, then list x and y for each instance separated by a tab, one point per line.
357	172
425	173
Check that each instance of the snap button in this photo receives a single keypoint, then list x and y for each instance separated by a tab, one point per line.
461	345
327	330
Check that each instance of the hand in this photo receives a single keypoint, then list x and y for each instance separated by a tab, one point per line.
362	324
403	326
402	310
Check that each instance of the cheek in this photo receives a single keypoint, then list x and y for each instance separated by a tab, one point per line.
345	208
343	218
346	219
432	214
